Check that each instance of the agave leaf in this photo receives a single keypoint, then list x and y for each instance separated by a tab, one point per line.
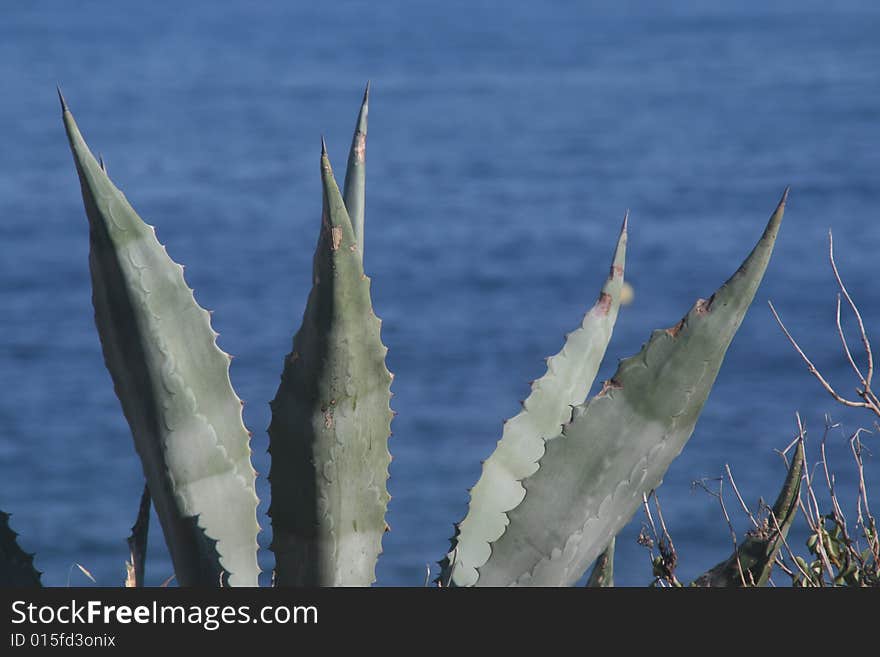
16	566
331	420
137	543
619	444
173	383
757	554
570	373
356	173
603	572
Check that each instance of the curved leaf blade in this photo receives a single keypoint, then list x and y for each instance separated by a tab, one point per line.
619	444
568	378
757	554
173	383
331	419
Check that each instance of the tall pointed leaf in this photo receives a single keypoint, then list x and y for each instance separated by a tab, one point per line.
331	421
173	383
570	373
354	187
619	444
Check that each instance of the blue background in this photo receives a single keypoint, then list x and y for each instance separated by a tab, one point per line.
506	140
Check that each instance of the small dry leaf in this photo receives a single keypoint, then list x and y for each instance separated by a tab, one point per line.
86	572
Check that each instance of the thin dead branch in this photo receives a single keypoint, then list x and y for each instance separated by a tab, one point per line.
868	397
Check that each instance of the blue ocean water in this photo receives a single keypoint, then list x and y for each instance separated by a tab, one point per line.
506	141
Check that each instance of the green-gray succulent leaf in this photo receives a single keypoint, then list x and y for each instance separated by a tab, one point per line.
173	383
568	378
331	420
354	187
591	477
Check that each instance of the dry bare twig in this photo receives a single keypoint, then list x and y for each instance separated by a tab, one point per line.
869	399
719	495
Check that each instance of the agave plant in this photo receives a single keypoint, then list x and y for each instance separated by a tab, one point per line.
566	476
